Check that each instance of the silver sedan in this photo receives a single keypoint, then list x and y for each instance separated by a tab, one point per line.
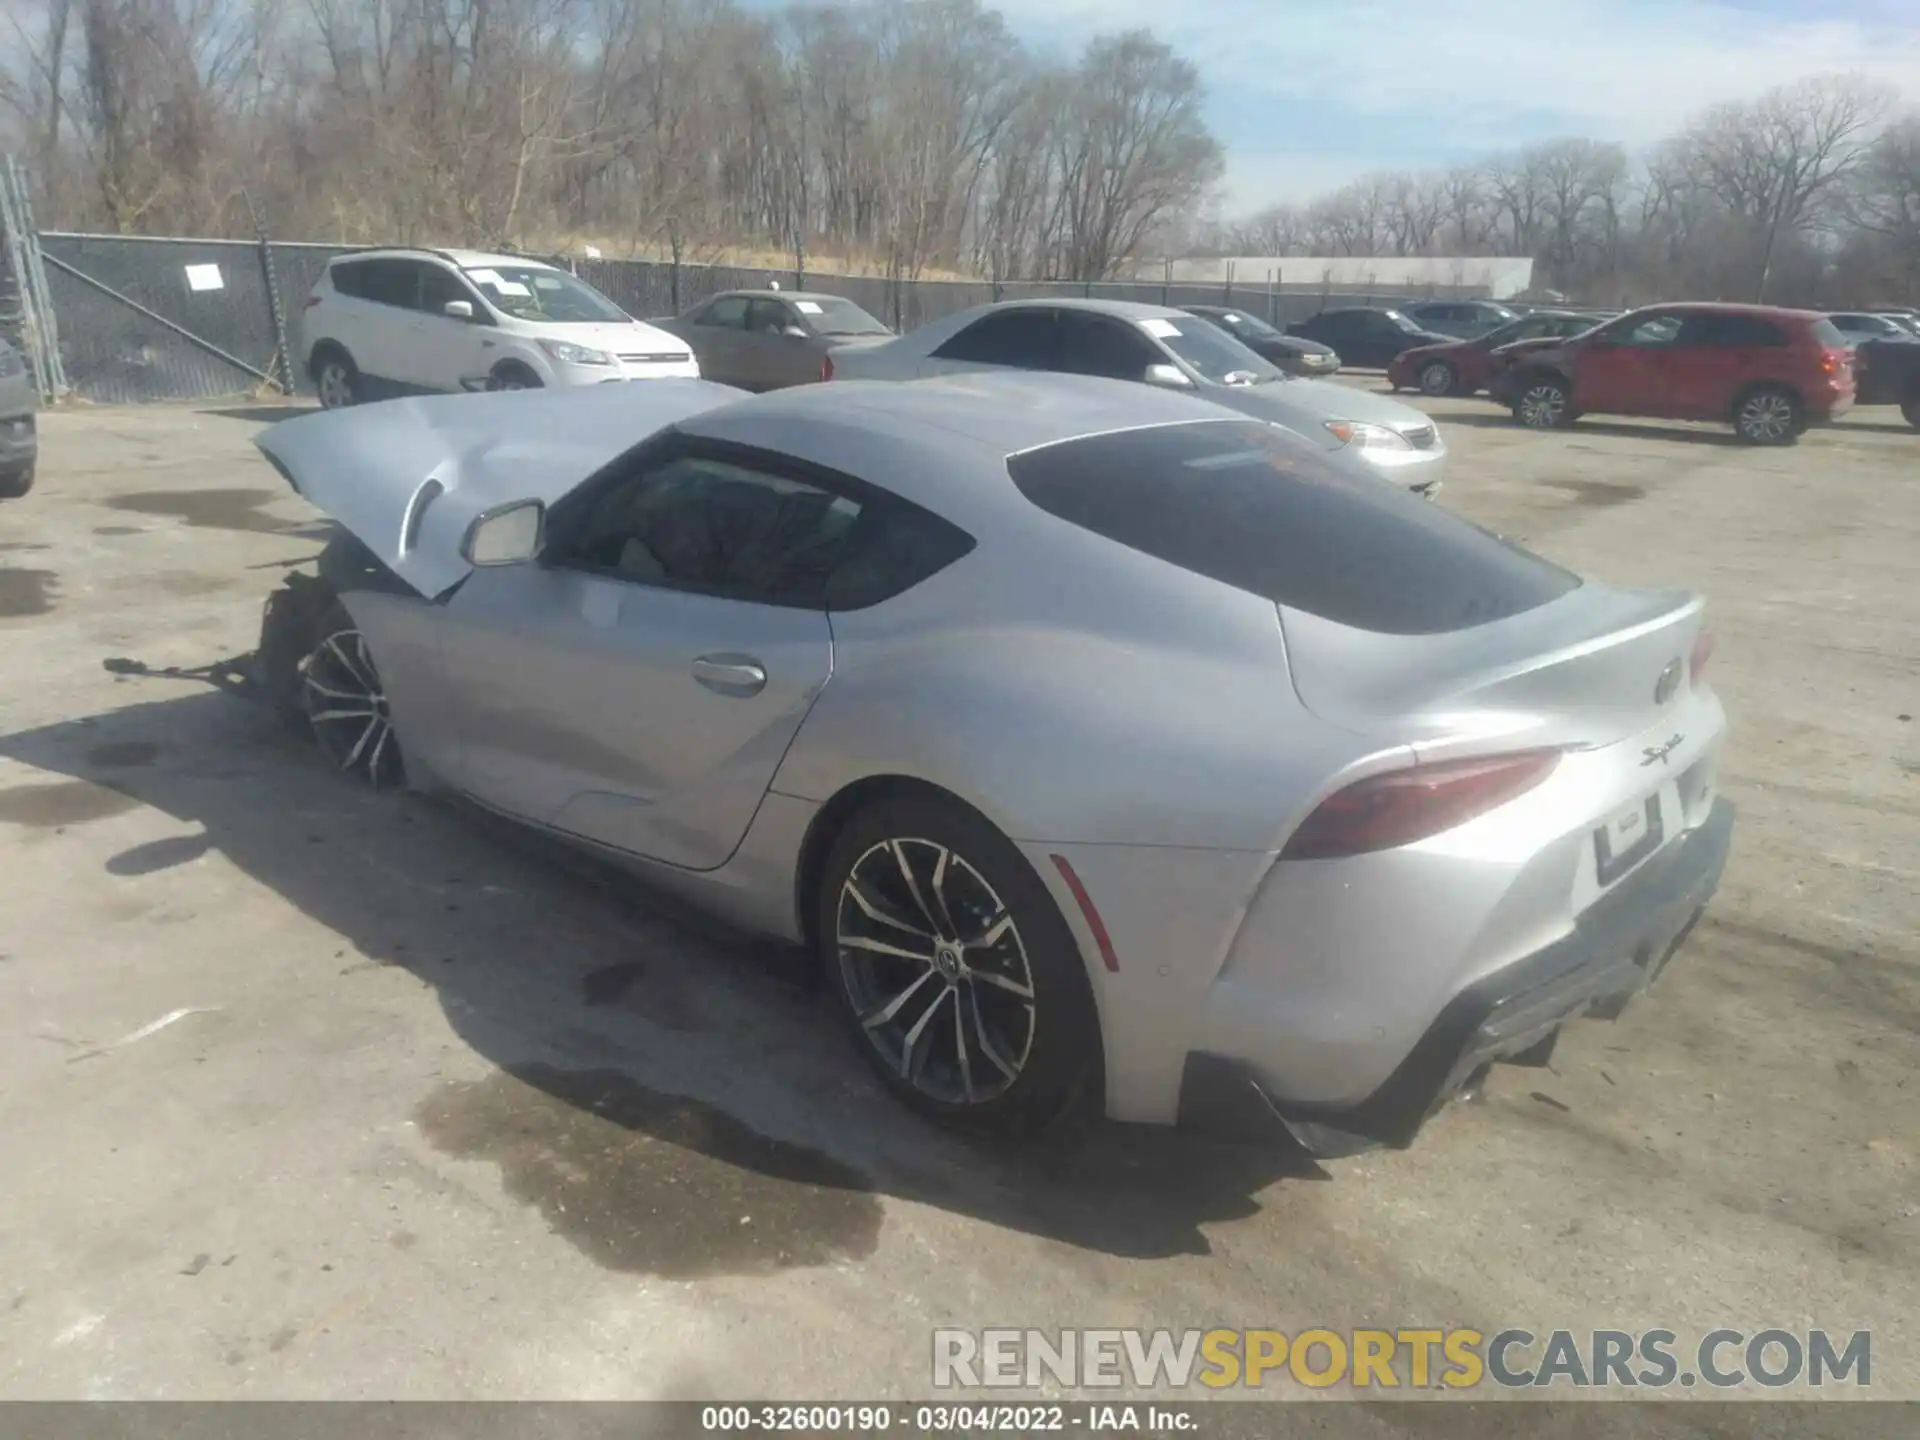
1113	752
1119	340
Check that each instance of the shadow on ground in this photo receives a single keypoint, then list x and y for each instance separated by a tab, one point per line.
1625	429
675	1098
266	412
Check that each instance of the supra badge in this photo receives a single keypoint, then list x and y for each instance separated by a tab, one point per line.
1657	754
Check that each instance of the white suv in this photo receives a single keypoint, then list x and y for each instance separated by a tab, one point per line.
385	322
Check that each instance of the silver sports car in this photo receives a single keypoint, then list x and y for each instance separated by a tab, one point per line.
1113	750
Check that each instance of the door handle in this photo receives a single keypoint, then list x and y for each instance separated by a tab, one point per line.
737	675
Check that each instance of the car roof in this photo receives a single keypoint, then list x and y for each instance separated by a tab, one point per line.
936	441
464	259
1731	307
776	295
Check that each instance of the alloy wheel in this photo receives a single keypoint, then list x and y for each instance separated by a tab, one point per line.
1542	406
1767	417
1437	378
335	386
936	969
345	703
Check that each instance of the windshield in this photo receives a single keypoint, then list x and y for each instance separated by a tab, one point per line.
1210	352
1238	322
539	293
831	315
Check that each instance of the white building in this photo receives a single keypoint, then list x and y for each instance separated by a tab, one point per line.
1495	277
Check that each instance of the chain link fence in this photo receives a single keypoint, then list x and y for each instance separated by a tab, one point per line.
145	319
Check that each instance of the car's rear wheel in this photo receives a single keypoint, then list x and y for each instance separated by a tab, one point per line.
1769	415
1910	407
1438	377
336	381
346	704
1542	402
15	483
954	969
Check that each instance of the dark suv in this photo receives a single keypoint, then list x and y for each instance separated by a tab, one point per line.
1770	373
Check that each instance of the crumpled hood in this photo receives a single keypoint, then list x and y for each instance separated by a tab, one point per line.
407	477
1306	406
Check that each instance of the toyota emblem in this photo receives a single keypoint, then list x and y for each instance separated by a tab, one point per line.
1668	682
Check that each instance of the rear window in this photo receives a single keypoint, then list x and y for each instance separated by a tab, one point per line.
1828	334
1251	507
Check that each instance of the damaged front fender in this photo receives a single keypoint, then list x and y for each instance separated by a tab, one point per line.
407	477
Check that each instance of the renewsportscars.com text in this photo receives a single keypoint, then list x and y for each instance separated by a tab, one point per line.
1455	1359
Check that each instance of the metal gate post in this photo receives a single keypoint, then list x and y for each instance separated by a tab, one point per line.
276	312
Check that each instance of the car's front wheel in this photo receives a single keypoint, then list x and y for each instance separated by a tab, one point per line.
346	704
1769	416
15	483
1910	408
954	969
1543	403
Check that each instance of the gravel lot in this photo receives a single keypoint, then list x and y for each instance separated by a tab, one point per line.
450	1116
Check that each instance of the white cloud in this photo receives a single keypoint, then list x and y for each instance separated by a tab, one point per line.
1481	74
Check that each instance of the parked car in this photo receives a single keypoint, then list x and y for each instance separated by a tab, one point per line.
766	339
1858	326
1110	750
1769	372
1462	367
1887	372
386	322
1464	319
1289	352
1909	323
1118	340
1361	336
19	431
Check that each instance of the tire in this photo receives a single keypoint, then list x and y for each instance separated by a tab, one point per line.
336	380
1438	377
513	377
1032	1060
345	703
1910	408
1542	402
1769	415
15	483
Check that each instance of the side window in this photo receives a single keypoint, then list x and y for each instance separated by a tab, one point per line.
1376	323
438	286
699	523
769	317
350	278
902	545
1653	331
1026	339
1097	345
729	312
393	282
1732	332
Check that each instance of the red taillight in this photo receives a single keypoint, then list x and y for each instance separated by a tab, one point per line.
826	367
1403	806
1835	362
1702	652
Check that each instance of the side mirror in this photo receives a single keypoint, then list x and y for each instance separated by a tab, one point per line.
458	309
505	535
1168	377
795	332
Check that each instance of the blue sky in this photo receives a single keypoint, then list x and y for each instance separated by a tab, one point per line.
1305	94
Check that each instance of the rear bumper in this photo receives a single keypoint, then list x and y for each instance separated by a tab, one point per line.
1618	947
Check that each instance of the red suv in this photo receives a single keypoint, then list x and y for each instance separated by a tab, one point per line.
1769	373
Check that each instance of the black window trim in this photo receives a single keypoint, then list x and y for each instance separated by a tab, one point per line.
875	501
